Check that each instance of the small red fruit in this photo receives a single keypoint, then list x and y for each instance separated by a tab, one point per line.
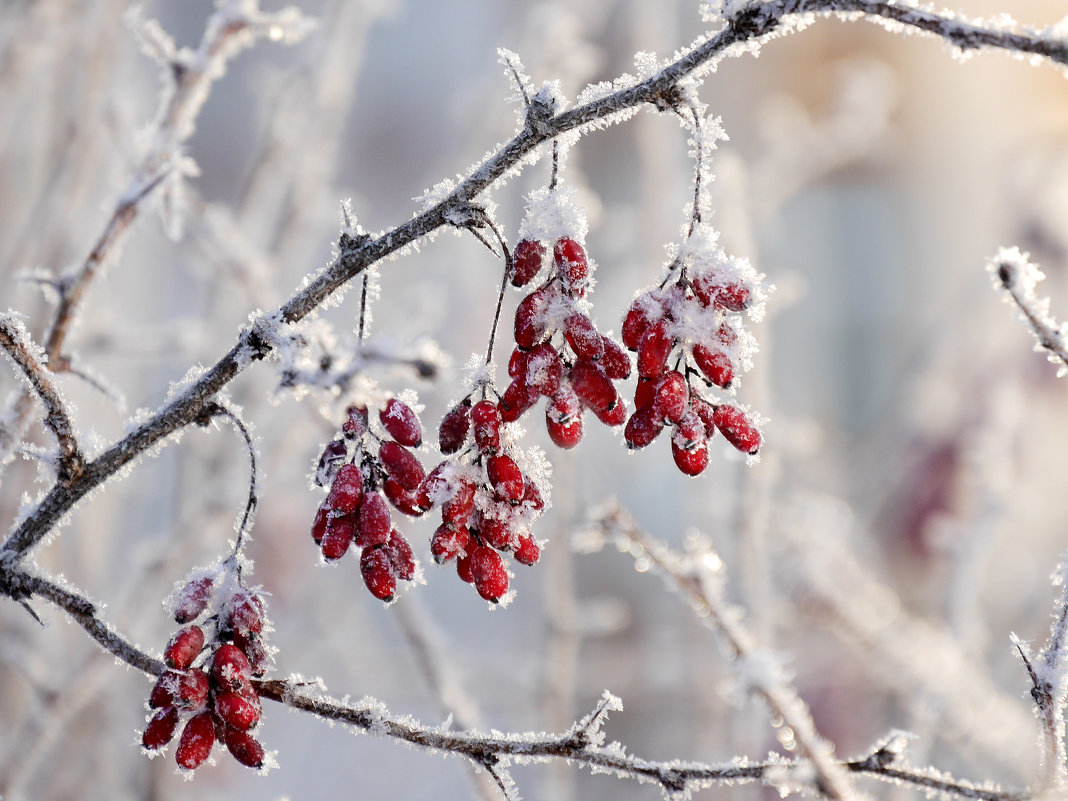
570	260
378	573
240	710
401	465
401	423
400	556
643	427
517	400
530	322
338	537
244	747
198	737
592	386
615	362
463	566
583	337
190	690
448	542
356	425
160	729
452	432
671	396
737	429
715	364
488	573
614	415
373	522
527	259
486	419
543	369
322	518
506	477
654	349
517	362
690	461
528	551
245	612
230	669
193	599
403	501
184	647
346	491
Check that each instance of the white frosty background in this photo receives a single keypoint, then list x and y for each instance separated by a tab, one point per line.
868	175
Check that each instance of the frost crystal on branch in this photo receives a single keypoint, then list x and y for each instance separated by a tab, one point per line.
1013	271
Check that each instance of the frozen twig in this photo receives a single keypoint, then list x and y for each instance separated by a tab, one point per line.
697	577
1014	272
15	341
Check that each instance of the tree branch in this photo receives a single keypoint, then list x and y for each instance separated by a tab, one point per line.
1014	272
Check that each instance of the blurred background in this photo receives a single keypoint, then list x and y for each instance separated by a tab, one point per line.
905	515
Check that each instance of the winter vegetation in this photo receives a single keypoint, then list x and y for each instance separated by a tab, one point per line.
276	456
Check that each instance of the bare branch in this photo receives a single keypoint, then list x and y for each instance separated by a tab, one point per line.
15	340
1014	272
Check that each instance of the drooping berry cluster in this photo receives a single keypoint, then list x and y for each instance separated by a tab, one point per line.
365	470
689	332
559	352
207	689
487	502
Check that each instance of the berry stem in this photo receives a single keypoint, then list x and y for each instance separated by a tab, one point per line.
253	495
504	283
699	149
556	165
363	307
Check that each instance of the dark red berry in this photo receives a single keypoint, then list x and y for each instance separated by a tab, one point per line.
517	363
643	312
333	456
163	691
614	415
401	465
245	612
643	427
403	501
322	518
373	522
570	258
160	729
184	647
193	599
517	400
689	431
400	556
346	491
196	742
592	386
654	349
356	424
737	429
671	396
583	337
713	291
430	491
532	497
448	542
463	566
691	461
644	392
526	261
615	362
527	552
452	432
457	510
378	573
488	573
401	423
486	419
530	321
715	364
506	477
259	659
243	747
544	370
190	690
230	669
706	412
340	531
497	533
240	710
564	435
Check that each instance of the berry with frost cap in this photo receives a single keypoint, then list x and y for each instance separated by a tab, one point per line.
527	259
184	647
196	742
378	573
401	423
452	432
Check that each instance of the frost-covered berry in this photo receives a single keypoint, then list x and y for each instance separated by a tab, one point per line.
190	689
715	364
564	435
463	566
340	530
615	414
401	464
184	647
405	501
449	542
497	533
346	491
400	556
486	420
245	613
530	324
517	400
160	730
488	573
333	456
583	337
319	524
356	424
378	573
457	510
543	370
373	522
230	669
506	477
243	747
711	291
196	742
193	599
706	412
592	386
570	258
259	659
643	427
615	362
532	496
671	397
654	348
527	259
691	461
401	423
527	552
452	431
644	392
240	710
737	429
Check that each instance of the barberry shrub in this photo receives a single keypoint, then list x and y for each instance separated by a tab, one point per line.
672	332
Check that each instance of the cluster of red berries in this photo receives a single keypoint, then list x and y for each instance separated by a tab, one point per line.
365	471
208	688
688	322
486	500
559	351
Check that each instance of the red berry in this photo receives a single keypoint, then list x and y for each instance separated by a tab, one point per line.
564	435
615	362
378	573
689	431
690	461
614	415
517	363
401	423
333	456
160	729
340	531
497	533
530	321
506	477
322	518
163	691
654	349
190	689
644	311
526	261
242	711
644	392
245	612
715	364
726	334
373	522
184	647
592	386
528	551
253	648
193	599
486	419
457	510
463	566
710	290
532	497
430	491
571	261
544	371
583	337
401	465
704	410
346	491
356	425
517	400
671	396
230	669
244	747
403	500
400	556
488	573
452	432
448	542
737	429
198	737
643	427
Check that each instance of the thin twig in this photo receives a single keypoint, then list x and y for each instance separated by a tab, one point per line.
248	515
1018	277
15	341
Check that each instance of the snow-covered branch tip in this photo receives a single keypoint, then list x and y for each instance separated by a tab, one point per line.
16	342
1013	272
699	576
